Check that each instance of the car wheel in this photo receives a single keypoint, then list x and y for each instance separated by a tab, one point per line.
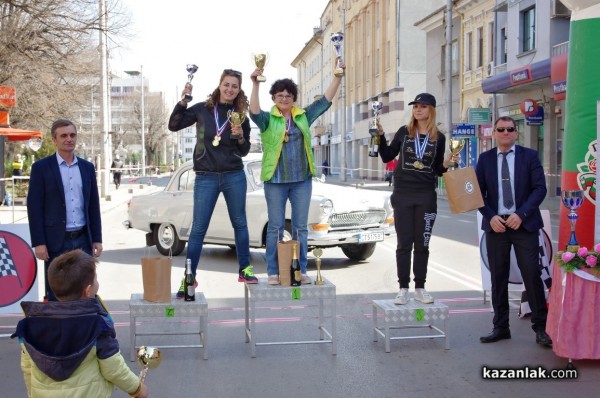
167	241
358	252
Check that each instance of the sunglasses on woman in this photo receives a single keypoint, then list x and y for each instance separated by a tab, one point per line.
501	129
232	72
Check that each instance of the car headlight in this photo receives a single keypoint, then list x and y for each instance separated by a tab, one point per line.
326	207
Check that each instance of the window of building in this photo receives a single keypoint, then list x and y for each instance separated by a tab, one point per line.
503	46
468	50
479	47
388	56
453	59
528	29
490	43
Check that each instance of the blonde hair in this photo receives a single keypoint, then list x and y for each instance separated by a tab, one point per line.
431	125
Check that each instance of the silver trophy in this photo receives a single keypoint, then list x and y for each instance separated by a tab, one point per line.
337	39
191	69
572	201
377	107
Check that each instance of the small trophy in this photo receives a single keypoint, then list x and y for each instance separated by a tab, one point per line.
318	252
191	69
572	201
260	60
236	119
455	146
337	39
148	358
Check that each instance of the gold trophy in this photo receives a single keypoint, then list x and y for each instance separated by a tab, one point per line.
148	358
260	60
455	146
318	252
337	39
236	119
191	69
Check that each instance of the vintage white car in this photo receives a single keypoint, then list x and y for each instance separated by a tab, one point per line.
353	219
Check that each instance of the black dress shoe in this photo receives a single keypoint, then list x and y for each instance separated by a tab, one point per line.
542	338
496	335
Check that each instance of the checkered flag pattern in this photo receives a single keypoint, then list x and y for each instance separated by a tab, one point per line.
7	266
545	274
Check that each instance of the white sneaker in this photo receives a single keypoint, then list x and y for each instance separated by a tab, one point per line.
306	280
422	296
273	279
401	297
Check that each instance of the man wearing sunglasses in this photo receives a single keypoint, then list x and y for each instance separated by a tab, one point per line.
513	186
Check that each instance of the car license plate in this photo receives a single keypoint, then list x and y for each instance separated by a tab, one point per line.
370	237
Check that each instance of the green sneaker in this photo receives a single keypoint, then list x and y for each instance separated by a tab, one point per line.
247	275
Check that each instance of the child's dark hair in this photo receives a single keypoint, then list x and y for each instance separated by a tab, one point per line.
284	85
70	273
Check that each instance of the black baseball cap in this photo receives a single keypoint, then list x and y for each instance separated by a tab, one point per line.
424	98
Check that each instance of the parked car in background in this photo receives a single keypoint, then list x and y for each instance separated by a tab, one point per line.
349	218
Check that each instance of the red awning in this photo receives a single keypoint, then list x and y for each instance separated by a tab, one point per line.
19	135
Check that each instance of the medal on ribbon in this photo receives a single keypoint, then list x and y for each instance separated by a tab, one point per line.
288	126
420	151
220	129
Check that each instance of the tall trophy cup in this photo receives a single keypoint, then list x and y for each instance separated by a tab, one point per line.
318	252
455	146
236	119
191	69
375	139
572	201
337	39
148	358
260	60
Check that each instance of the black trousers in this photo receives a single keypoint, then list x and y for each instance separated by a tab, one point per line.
525	244
414	215
117	178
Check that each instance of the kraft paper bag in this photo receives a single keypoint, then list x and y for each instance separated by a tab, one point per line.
463	190
156	274
284	258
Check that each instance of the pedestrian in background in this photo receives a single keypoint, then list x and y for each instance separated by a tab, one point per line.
63	205
420	147
117	169
218	164
513	186
288	164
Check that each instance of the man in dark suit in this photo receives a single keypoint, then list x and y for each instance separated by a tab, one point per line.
513	186
63	204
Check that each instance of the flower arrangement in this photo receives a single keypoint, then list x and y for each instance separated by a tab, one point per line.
582	258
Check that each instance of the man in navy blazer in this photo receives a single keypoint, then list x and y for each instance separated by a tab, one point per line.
63	205
513	186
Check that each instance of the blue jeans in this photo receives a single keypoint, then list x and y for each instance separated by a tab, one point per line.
207	188
299	194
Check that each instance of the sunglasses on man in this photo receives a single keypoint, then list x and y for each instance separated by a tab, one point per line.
509	129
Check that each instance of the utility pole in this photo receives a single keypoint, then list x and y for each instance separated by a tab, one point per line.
343	97
449	67
105	166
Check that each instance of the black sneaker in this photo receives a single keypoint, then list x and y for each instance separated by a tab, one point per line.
247	276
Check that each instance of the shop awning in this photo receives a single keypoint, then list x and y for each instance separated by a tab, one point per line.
19	135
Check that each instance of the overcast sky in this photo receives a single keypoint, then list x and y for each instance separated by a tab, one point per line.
215	35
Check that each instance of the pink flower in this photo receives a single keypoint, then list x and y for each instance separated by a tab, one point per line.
582	252
591	261
597	248
567	256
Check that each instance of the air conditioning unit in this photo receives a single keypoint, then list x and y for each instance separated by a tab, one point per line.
490	69
559	10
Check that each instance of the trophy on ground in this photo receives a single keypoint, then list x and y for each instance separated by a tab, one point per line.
260	60
318	252
236	119
191	69
455	145
148	358
375	139
572	201
337	39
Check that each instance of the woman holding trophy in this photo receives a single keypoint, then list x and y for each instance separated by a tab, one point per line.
421	147
288	164
222	139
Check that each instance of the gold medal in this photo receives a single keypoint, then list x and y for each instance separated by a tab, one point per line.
418	164
218	138
215	142
286	138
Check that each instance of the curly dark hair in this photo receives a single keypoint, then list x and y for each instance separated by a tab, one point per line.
240	102
285	85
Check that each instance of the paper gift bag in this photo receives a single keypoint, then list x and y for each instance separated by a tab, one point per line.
463	190
156	274
284	258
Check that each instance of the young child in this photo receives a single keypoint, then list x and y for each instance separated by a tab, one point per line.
69	346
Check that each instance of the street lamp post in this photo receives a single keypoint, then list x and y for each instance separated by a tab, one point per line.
140	73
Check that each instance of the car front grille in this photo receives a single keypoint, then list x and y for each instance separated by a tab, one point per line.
357	219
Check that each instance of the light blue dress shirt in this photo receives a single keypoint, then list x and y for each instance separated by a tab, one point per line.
73	188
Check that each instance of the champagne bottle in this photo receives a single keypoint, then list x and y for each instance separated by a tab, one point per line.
190	289
374	146
295	272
